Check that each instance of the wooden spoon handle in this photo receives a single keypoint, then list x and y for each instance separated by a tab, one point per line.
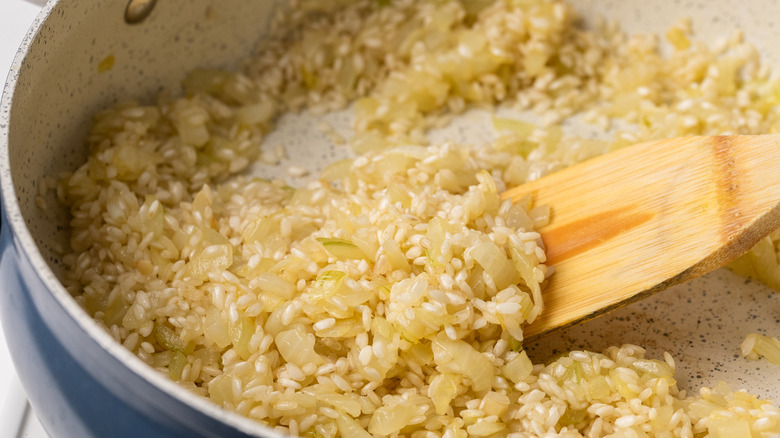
634	222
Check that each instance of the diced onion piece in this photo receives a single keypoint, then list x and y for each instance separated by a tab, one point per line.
573	373
276	285
366	240
663	416
168	338
191	126
327	284
380	327
175	368
623	387
435	235
212	259
598	387
221	389
297	347
395	256
494	403
729	428
490	192
258	113
349	427
761	263
342	402
391	417
443	389
155	222
397	194
336	170
541	215
461	358
130	161
344	328
517	218
525	264
495	262
485	428
204	80
259	229
115	311
656	368
678	38
215	329
343	249
572	416
240	334
519	127
518	368
763	346
703	408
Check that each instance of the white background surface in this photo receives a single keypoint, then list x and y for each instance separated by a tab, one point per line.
16	16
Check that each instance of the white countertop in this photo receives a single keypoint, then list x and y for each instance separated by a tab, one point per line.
16	16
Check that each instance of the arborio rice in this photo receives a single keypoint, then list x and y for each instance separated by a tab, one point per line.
388	297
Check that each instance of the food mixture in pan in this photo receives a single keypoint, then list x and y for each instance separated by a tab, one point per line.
388	296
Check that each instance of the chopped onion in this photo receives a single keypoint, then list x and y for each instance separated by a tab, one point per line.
336	170
349	427
495	262
729	428
297	347
212	259
392	417
461	358
221	389
168	338
443	389
240	334
395	256
518	368
598	387
656	368
340	248
215	329
763	346
175	368
272	283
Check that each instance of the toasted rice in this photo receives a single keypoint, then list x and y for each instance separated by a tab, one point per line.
388	297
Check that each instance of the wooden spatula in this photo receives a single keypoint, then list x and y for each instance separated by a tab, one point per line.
636	221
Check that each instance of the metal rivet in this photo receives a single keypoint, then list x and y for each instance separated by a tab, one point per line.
138	10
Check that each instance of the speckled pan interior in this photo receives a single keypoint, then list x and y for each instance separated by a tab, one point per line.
59	86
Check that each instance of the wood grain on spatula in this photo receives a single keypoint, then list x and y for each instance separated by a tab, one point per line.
636	221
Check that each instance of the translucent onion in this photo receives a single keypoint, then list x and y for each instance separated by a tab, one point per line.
442	390
518	368
349	427
392	417
395	256
495	262
212	259
756	345
297	347
729	428
461	358
341	248
215	329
